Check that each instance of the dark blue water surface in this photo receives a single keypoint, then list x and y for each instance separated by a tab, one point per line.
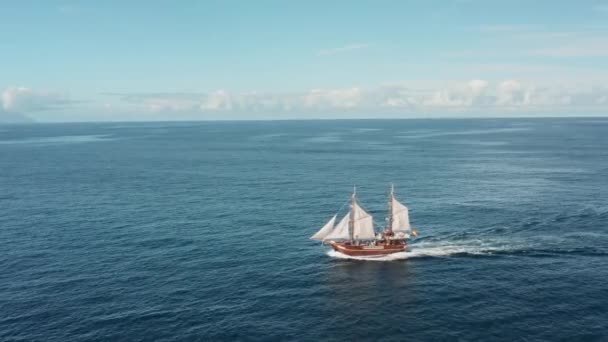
199	231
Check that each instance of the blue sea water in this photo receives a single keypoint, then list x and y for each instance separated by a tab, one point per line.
199	231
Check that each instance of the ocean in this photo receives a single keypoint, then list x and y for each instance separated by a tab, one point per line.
200	231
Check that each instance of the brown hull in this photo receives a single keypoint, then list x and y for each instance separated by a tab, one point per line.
369	251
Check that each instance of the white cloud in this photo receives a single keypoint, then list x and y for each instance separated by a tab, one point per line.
21	99
333	51
219	100
474	95
509	92
333	98
462	94
166	104
477	87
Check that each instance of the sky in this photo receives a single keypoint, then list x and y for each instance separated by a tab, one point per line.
233	60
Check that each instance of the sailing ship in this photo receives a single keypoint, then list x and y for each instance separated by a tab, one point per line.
354	234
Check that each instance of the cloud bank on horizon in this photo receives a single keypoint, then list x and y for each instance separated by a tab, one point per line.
472	97
142	61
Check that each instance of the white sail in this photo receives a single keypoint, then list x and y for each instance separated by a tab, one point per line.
363	225
341	230
327	228
401	216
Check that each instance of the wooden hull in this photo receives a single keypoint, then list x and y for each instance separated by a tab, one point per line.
379	249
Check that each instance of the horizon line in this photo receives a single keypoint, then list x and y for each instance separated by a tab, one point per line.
34	122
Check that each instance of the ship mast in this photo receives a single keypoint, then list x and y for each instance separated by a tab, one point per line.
390	208
351	220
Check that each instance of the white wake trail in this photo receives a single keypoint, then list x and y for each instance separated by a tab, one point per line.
433	249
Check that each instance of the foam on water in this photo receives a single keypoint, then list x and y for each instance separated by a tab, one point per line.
390	257
434	249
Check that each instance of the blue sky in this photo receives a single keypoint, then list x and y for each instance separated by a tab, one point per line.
163	60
